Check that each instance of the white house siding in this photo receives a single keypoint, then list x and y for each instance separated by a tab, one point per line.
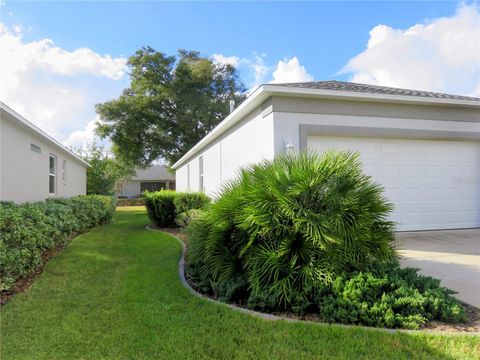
24	174
249	141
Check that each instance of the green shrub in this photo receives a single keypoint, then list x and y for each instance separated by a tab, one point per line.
389	296
293	223
161	207
164	206
309	234
28	230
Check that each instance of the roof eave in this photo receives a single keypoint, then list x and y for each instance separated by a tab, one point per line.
265	91
42	133
363	96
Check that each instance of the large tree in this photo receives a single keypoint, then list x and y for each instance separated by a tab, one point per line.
104	171
172	103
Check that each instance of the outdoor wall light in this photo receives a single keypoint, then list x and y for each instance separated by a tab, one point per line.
288	146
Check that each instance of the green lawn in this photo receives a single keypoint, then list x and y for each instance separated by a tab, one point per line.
114	293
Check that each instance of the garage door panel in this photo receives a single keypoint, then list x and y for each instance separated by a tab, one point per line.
433	184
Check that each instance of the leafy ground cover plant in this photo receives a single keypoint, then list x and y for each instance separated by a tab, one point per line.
167	208
30	229
303	234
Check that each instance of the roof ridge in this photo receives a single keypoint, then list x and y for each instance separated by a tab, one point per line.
339	85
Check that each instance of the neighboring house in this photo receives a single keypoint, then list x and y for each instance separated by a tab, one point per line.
423	147
154	178
33	165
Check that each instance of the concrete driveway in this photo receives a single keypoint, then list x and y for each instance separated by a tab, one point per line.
451	255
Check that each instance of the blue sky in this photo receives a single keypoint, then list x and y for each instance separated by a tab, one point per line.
267	41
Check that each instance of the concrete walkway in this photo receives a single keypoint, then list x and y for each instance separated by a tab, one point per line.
451	255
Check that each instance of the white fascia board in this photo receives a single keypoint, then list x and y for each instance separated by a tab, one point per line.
40	132
265	91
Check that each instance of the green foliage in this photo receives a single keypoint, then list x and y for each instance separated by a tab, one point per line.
104	171
165	207
184	218
172	103
306	234
388	296
28	230
293	223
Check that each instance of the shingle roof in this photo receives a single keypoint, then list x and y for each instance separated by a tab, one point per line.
154	172
373	89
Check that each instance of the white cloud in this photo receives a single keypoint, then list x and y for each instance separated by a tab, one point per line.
80	138
290	71
255	65
54	88
259	68
228	60
441	55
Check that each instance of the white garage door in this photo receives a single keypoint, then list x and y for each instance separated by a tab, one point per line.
433	184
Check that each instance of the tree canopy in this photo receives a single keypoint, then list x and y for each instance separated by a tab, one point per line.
172	103
104	171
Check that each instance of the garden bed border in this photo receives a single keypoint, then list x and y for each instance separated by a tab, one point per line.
271	317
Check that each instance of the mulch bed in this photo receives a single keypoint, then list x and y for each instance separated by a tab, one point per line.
473	313
24	283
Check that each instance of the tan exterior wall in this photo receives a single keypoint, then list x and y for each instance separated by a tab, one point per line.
24	174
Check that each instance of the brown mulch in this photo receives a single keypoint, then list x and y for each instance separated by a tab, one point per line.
473	313
472	324
24	283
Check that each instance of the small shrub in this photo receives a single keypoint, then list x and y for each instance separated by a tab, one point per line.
161	207
184	218
28	230
167	208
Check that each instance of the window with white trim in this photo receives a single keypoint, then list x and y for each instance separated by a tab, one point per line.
64	172
52	175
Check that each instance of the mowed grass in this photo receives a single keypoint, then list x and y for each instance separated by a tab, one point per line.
114	293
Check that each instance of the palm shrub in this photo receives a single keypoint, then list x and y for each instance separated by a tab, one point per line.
293	223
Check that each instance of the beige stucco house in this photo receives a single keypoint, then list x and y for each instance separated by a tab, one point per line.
33	165
153	178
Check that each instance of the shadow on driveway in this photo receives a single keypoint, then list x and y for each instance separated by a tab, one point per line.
450	255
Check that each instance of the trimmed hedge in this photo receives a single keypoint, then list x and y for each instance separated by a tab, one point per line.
30	229
167	208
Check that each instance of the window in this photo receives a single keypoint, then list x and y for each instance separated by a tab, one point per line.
171	185
200	172
64	172
152	186
52	174
35	148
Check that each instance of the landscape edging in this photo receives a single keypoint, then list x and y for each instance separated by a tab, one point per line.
186	284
